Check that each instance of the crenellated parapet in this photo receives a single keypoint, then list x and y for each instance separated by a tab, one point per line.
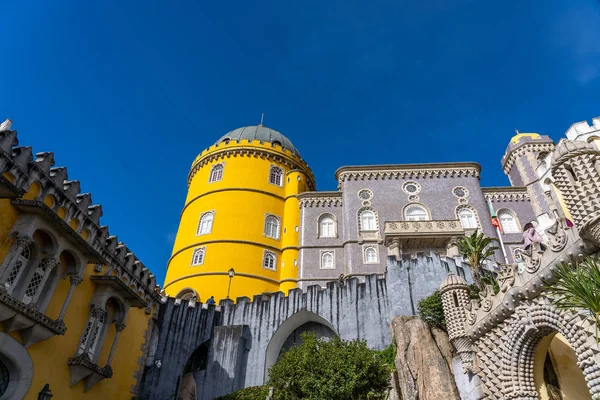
407	171
505	194
321	199
251	148
38	188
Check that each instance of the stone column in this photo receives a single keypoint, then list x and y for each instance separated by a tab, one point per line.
119	328
75	281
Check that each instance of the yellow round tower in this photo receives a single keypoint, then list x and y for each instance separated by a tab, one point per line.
239	229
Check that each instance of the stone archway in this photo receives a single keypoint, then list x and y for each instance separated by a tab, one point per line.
285	333
556	374
537	322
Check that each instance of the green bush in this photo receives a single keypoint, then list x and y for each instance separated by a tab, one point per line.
250	393
431	310
334	369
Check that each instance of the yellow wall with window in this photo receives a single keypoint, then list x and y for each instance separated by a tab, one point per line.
50	356
241	201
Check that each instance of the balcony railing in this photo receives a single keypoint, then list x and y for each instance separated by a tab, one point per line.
422	233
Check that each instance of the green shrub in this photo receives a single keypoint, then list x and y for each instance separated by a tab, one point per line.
335	370
431	310
250	393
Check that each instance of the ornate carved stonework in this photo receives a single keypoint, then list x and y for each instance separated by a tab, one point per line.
509	194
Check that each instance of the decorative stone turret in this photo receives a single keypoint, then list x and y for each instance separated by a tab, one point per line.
455	300
576	170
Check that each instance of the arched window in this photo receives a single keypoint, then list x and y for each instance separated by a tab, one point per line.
467	218
269	260
216	173
508	221
272	227
542	169
94	333
415	212
368	222
327	260
187	294
371	256
205	224
326	226
4	378
38	280
198	256
276	175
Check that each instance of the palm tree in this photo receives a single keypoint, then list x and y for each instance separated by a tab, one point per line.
476	249
578	287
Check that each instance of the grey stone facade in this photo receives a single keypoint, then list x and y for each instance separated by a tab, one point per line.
233	345
436	184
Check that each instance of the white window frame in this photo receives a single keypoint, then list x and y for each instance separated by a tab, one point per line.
268	226
216	173
410	206
321	232
21	260
269	255
324	253
376	252
203	227
474	215
43	269
361	221
513	229
199	252
274	175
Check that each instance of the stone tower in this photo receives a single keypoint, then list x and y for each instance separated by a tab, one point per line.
576	170
455	300
240	222
525	162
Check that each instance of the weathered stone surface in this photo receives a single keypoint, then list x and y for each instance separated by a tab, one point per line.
423	361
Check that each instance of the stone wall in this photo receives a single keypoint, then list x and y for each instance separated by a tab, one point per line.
181	327
249	335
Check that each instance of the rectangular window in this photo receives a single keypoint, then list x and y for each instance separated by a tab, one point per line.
198	256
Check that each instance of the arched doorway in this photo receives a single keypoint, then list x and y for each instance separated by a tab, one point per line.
288	334
186	383
556	374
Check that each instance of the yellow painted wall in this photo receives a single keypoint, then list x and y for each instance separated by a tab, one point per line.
241	201
50	356
571	380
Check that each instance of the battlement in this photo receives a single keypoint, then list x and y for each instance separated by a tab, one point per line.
37	186
321	199
254	148
583	131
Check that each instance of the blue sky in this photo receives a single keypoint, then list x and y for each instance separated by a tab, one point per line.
126	94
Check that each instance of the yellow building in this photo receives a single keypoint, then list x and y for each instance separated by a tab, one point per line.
75	304
241	218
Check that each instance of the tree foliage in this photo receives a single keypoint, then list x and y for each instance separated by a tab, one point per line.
431	310
578	287
331	369
477	248
250	393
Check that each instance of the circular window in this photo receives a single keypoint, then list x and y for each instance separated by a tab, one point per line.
365	194
460	192
411	187
4	378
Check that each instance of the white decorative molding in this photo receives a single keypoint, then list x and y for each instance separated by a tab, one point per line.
499	194
320	199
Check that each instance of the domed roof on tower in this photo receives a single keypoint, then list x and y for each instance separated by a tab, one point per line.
452	280
261	133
